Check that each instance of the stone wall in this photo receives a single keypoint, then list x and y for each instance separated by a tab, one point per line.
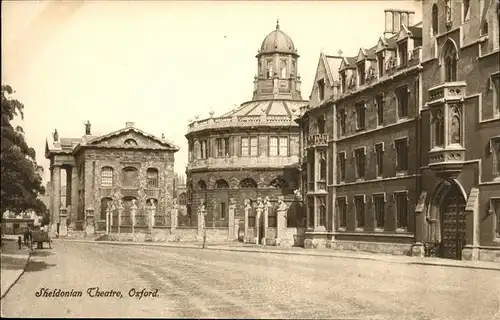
94	160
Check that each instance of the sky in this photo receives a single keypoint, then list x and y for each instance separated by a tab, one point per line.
161	63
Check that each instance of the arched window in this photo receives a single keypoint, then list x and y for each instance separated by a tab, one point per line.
130	177
106	177
202	185
283	70
439	128
105	202
434	19
182	199
450	62
279	183
248	183
130	142
221	184
152	178
269	72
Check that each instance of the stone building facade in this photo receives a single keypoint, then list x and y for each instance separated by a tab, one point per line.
412	126
116	183
253	150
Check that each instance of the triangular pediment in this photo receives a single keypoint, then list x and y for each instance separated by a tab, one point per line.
381	45
343	64
361	55
403	33
132	138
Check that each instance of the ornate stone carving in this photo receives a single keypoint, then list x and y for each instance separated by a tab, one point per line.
282	206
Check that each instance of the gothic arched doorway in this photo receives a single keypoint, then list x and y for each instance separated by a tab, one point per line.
447	220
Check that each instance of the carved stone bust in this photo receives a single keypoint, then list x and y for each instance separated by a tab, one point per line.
281	203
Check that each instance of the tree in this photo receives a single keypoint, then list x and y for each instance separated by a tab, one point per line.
21	176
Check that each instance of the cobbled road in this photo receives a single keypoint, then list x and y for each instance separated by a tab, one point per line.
194	283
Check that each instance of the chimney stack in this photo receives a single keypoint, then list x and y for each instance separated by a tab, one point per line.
129	124
394	19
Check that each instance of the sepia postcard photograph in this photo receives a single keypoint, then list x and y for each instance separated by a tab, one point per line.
250	159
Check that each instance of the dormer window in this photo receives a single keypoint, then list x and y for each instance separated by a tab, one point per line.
435	20
380	64
343	81
403	53
361	72
321	89
130	142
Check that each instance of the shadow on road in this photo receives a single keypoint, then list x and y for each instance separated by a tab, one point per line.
13	263
34	265
37	253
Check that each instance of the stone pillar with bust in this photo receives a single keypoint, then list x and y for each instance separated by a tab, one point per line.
202	211
133	213
247	209
265	218
231	230
63	227
259	210
89	222
173	216
281	212
120	208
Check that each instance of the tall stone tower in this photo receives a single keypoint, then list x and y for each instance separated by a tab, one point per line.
277	68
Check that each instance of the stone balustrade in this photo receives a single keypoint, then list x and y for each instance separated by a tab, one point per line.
241	121
448	91
316	140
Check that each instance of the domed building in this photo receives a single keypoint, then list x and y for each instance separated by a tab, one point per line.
253	150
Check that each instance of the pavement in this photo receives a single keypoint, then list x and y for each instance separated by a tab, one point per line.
13	263
324	252
193	283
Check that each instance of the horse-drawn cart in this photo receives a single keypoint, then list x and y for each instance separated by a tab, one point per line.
39	237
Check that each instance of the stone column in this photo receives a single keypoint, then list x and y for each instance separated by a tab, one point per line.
56	197
120	212
73	214
108	220
63	229
89	222
232	209
133	212
236	228
202	212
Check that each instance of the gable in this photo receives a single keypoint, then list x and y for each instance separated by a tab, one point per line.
131	138
403	33
380	45
361	55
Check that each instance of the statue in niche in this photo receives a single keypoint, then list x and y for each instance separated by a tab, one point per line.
55	135
270	69
455	129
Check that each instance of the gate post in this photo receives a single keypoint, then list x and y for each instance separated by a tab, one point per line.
173	216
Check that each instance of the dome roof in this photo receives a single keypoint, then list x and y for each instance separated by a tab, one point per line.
277	41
